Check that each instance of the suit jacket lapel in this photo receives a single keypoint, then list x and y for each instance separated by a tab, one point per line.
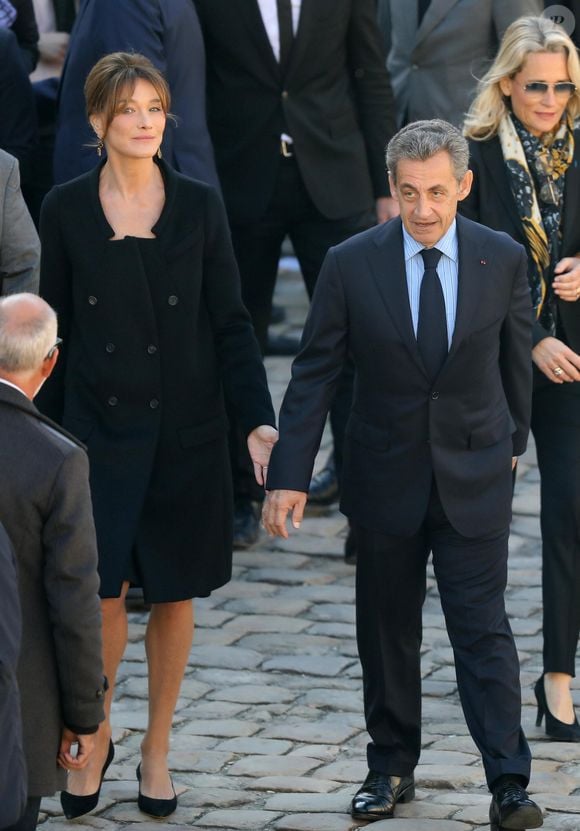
301	35
387	261
437	10
251	15
472	264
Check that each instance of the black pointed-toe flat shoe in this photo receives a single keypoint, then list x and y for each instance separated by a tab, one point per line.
378	795
158	808
555	729
75	806
512	809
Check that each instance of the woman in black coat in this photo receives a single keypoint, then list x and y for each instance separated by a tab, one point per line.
525	157
137	261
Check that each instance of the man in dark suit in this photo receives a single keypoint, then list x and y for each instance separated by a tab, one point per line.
299	111
45	507
436	312
165	31
12	764
18	131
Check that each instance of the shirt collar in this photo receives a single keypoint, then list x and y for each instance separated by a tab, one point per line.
448	244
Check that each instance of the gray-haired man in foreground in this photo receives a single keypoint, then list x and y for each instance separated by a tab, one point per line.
45	507
436	312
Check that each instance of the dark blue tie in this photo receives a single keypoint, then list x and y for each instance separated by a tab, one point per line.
432	326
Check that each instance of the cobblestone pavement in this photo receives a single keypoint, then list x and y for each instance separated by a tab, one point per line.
269	733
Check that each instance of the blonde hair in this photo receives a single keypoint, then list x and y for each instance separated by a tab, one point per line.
525	36
114	76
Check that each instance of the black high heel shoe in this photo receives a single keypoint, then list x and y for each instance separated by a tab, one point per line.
555	729
75	806
155	807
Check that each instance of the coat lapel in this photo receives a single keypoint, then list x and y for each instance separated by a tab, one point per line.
387	261
438	9
493	160
571	201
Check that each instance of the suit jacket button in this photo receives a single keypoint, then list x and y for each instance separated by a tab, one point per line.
173	300
92	300
112	401
152	349
434	395
285	94
110	347
154	403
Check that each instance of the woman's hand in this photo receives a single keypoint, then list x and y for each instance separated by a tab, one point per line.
260	443
557	361
567	279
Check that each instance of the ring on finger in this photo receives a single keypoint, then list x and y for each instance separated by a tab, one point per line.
557	370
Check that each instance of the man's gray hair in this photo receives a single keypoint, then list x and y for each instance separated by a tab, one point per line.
421	140
28	330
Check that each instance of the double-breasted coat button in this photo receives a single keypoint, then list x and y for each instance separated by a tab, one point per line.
154	403
152	349
434	395
92	300
112	401
173	300
110	347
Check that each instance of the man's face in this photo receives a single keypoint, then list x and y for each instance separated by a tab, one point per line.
428	193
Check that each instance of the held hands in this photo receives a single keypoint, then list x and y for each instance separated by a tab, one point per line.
557	361
566	283
86	745
260	443
386	208
275	510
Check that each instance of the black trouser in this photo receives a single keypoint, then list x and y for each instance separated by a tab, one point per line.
390	590
257	246
556	428
29	819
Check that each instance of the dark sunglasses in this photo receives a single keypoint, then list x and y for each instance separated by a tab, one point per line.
52	349
563	88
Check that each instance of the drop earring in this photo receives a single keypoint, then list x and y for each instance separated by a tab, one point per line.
100	146
159	155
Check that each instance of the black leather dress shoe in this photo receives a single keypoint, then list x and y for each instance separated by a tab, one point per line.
511	808
324	485
246	525
378	795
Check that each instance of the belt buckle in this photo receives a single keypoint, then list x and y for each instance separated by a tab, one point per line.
285	149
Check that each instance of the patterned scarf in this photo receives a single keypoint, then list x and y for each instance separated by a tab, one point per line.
536	170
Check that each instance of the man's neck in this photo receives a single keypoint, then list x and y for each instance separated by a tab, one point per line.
15	385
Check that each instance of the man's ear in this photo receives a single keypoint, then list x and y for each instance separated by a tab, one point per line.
49	364
465	186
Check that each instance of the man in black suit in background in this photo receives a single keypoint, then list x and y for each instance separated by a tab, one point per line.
436	313
299	110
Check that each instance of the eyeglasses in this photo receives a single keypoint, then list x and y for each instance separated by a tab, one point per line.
53	349
536	89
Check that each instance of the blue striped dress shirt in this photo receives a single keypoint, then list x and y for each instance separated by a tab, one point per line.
447	269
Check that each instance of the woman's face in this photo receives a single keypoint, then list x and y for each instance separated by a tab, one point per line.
540	112
137	128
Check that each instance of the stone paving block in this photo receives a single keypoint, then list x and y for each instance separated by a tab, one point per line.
273	643
239	819
289	576
316	822
213	709
237	589
266	623
448	757
309	544
279	604
476	814
320	665
204	761
322	595
558	802
561	822
266	559
336	612
333	630
309	802
552	782
343	770
254	746
327	730
217	797
228	657
557	751
211	618
423	809
397	824
220	727
293	784
438	689
324	752
215	637
525	626
259	766
462	744
253	694
335	699
448	776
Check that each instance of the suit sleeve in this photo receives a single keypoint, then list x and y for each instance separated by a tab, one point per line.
71	584
372	89
515	356
242	368
19	243
56	289
315	375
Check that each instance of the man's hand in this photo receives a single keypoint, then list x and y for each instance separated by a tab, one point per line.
386	208
86	745
567	279
260	443
275	510
557	361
